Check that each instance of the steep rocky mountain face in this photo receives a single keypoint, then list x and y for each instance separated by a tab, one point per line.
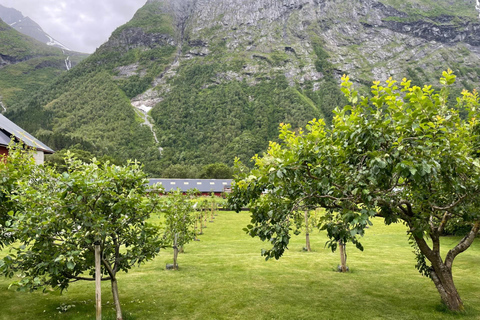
203	81
27	26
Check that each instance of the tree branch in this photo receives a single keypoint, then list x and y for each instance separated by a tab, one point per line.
451	205
408	210
444	221
463	245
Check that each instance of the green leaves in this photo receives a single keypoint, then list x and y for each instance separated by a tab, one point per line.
63	215
400	153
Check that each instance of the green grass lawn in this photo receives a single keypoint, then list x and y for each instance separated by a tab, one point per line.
223	276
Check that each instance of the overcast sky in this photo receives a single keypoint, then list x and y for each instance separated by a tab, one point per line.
81	25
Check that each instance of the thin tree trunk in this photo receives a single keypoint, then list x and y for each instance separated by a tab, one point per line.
211	216
116	299
195	230
175	253
307	232
98	282
343	258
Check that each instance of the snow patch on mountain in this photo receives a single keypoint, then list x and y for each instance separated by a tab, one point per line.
55	43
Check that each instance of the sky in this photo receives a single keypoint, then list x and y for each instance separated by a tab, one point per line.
81	25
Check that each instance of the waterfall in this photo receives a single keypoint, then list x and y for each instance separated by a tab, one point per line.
68	63
477	7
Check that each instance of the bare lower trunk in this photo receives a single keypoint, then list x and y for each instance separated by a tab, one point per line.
441	271
116	299
175	253
98	281
443	281
343	258
211	216
307	233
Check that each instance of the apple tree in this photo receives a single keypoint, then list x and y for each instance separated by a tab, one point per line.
65	215
178	210
402	154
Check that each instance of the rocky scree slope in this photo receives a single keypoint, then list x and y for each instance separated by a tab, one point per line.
213	78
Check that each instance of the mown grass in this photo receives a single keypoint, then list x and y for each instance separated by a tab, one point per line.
223	276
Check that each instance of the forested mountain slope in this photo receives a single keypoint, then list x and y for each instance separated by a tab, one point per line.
27	64
217	76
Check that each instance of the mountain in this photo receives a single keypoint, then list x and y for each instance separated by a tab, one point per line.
192	82
27	26
26	65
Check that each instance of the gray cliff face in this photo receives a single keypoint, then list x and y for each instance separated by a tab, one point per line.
366	39
132	38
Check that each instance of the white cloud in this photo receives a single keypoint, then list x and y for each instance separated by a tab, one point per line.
82	25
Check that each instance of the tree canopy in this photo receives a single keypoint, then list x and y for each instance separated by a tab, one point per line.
64	215
401	154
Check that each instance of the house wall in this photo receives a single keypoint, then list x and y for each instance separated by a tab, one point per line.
39	157
3	151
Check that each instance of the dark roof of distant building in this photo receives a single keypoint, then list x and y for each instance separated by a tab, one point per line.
9	129
203	185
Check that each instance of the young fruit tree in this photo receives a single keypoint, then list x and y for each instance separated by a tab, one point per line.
179	222
402	154
65	215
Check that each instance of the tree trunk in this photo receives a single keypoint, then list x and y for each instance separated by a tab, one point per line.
211	217
116	299
307	232
175	253
343	258
98	282
443	280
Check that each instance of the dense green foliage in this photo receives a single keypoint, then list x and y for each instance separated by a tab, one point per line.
402	154
200	122
63	216
94	113
30	64
151	19
20	165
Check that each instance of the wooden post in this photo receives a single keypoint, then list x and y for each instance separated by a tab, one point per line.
343	259
307	232
205	217
211	214
98	281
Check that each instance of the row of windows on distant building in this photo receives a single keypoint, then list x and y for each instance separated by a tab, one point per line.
198	182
